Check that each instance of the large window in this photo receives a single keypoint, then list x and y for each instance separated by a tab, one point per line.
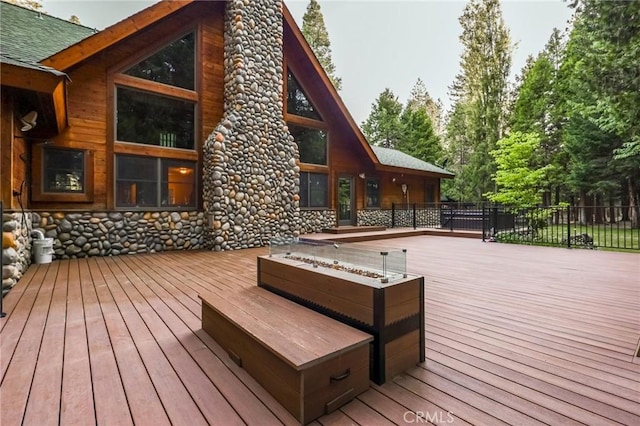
314	190
64	170
373	193
172	65
312	144
151	119
148	182
298	102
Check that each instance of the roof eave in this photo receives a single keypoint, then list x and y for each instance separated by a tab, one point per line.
425	173
91	45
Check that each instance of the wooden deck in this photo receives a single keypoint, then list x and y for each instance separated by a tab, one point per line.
515	335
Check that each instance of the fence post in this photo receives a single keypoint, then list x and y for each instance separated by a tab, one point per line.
569	226
451	219
393	215
414	216
484	222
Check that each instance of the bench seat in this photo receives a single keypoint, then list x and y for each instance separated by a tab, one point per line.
310	363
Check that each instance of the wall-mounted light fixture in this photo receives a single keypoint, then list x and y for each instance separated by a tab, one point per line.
28	121
362	175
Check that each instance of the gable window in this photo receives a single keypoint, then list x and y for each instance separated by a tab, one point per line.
314	190
373	193
173	65
298	102
312	144
148	182
151	119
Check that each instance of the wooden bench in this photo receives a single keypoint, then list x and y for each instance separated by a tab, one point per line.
310	363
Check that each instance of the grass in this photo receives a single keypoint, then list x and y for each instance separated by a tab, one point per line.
610	236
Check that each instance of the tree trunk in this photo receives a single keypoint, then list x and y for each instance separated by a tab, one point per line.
599	209
633	205
625	202
612	209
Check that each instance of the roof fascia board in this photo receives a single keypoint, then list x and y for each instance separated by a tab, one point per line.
394	169
91	45
35	80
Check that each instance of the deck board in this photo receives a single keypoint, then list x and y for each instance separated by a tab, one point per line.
514	335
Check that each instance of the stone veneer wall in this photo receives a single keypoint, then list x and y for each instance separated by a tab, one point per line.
115	233
377	217
316	220
251	179
15	260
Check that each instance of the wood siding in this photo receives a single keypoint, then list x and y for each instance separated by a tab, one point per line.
13	154
91	97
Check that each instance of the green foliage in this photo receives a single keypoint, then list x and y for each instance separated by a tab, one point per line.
317	36
519	182
420	98
383	127
418	137
480	94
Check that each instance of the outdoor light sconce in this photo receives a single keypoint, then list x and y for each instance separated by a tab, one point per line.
28	121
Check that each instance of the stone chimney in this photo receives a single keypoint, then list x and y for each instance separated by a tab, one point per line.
251	179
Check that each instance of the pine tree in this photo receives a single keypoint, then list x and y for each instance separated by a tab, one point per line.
317	36
383	127
481	89
418	136
419	98
29	4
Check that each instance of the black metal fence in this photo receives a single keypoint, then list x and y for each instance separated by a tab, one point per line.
569	226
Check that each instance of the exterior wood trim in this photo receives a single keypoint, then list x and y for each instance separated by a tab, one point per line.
108	37
314	168
304	121
156	88
398	170
59	98
6	142
29	79
110	188
36	186
154	151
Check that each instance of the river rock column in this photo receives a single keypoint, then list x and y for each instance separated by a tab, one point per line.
251	178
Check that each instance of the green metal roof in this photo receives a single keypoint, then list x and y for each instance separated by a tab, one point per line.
395	158
27	37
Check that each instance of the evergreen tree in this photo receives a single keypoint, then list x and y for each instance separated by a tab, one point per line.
383	127
29	4
592	170
420	98
418	137
481	87
317	36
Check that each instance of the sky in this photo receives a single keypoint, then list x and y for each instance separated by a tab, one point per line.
381	44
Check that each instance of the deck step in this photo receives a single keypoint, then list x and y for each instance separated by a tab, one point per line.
352	229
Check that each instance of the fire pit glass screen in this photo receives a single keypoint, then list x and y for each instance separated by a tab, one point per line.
381	264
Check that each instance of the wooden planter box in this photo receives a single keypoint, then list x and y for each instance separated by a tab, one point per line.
393	313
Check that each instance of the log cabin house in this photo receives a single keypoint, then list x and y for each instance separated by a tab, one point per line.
191	124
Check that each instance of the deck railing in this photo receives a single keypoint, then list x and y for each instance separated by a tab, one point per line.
568	226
